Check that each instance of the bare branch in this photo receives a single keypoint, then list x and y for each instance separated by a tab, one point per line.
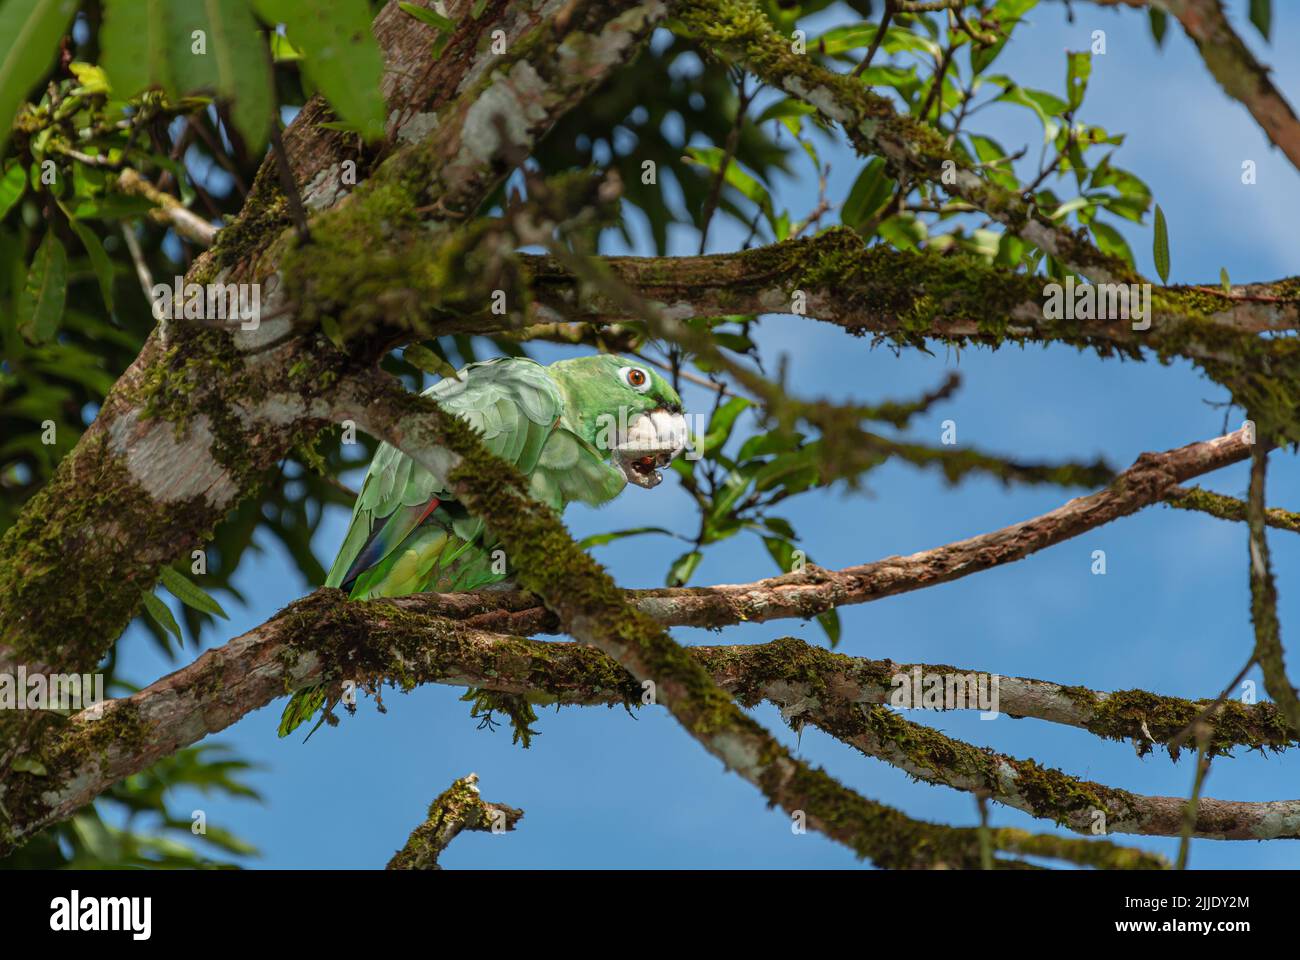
169	210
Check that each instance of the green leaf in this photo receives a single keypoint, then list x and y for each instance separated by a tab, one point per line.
340	56
134	41
30	31
1225	282
722	423
189	594
12	185
781	551
1111	242
432	17
300	708
830	622
1159	23
100	261
869	194
161	614
1261	15
735	177
1045	105
680	572
1161	246
40	302
599	539
425	359
231	60
282	51
1078	67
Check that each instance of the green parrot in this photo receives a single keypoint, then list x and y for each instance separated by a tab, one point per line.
578	429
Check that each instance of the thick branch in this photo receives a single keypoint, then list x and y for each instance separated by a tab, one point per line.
906	296
324	638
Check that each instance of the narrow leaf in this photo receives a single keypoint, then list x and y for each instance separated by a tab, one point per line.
161	614
1161	246
1261	15
432	17
830	622
680	572
1159	23
599	539
217	46
189	594
1077	71
40	302
100	261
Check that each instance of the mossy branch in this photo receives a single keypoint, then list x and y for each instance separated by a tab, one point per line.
431	638
1268	651
456	809
1229	508
906	297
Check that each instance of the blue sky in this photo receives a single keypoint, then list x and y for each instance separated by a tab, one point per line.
604	789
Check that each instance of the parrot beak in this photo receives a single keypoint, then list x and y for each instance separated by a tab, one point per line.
653	439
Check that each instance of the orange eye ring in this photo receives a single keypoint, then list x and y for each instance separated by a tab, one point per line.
636	377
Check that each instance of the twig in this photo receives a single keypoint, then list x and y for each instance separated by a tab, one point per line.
169	210
1194	802
729	151
719	388
876	40
1263	595
287	184
137	257
457	808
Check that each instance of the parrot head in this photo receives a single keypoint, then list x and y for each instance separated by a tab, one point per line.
626	410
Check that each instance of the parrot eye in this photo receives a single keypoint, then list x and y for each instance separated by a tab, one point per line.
636	378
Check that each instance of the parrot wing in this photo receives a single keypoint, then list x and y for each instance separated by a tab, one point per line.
571	469
514	404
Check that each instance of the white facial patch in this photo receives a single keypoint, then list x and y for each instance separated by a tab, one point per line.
651	440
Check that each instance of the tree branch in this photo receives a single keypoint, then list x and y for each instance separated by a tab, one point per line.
904	295
325	638
1232	64
457	808
741	31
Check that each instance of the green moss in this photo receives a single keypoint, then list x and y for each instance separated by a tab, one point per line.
60	608
1139	716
